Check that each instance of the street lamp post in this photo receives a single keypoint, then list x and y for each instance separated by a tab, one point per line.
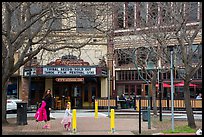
148	108
159	91
109	93
172	92
29	92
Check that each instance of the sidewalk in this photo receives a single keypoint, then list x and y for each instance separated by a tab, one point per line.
85	126
125	124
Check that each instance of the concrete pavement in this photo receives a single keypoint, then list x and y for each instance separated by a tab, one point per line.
86	124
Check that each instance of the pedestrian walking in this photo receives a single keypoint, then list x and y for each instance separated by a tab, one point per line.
47	97
41	115
66	121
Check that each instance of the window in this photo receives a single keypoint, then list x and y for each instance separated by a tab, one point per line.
192	11
200	11
153	14
136	75
130	75
126	89
139	90
176	76
181	72
166	13
120	89
124	56
127	75
141	15
132	89
178	10
86	94
197	53
12	89
199	73
85	18
131	13
133	75
122	75
164	76
146	89
117	75
120	15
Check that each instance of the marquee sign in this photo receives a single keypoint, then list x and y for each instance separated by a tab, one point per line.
61	71
69	71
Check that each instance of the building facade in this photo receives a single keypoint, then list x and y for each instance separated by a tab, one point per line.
75	74
131	23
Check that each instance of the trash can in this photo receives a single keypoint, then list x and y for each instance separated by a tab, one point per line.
21	113
144	115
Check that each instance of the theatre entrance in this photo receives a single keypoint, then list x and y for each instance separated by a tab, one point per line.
64	92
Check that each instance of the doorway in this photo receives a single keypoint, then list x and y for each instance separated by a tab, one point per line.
90	93
68	92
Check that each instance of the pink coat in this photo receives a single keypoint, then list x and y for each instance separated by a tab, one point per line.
41	114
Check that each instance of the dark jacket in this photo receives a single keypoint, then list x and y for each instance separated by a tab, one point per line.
48	100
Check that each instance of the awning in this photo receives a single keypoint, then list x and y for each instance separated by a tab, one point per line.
165	85
181	84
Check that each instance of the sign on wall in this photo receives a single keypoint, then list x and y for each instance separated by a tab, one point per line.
69	79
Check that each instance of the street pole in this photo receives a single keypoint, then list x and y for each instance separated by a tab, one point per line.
109	93
172	93
139	114
148	108
29	92
159	91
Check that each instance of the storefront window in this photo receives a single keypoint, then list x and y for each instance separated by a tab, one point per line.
86	94
132	89
12	89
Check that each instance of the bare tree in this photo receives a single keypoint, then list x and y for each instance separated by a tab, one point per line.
30	27
164	25
181	27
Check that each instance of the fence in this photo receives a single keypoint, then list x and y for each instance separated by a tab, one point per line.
103	103
179	104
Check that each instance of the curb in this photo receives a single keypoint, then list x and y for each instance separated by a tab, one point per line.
174	134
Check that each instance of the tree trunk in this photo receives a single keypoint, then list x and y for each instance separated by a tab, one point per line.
4	98
189	111
154	79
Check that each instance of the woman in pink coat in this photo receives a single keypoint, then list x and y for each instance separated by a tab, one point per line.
41	114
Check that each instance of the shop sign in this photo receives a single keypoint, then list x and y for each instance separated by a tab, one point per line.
27	71
69	79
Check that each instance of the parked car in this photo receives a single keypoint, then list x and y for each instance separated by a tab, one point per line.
12	104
